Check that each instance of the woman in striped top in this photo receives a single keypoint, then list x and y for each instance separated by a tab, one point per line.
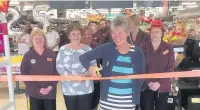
119	58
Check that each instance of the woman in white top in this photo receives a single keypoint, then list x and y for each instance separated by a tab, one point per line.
77	94
53	39
23	42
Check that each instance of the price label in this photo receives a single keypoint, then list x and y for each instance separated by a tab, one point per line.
170	100
179	49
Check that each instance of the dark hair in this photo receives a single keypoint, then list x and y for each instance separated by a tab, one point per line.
103	19
73	26
95	22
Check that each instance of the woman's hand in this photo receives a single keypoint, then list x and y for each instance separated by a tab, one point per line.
45	91
154	86
93	71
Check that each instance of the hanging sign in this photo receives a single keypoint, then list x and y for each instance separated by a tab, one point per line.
95	17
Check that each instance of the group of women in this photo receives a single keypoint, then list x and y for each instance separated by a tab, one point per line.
120	57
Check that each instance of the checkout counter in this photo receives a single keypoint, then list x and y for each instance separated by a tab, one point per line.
189	88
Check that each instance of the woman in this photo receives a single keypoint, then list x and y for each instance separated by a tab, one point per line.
53	39
40	61
87	39
77	94
119	58
138	36
23	42
159	58
87	36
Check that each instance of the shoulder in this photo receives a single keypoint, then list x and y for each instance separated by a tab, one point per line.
63	47
168	46
28	54
108	45
86	47
50	52
139	51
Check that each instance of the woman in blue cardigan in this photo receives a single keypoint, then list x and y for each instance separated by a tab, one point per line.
119	58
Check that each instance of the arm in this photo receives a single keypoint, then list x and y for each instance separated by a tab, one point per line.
57	41
25	70
59	62
170	65
54	83
171	61
141	65
92	63
96	53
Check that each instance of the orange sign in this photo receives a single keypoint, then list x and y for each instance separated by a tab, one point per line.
95	17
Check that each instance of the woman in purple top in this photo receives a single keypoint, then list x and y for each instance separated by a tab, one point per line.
40	61
159	58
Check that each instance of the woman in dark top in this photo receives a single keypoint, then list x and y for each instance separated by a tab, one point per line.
40	61
159	58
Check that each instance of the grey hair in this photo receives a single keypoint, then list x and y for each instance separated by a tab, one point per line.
120	21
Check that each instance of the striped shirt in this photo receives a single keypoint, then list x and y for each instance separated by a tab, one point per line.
120	91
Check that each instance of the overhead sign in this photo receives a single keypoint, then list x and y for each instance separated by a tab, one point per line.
112	4
73	4
95	17
150	3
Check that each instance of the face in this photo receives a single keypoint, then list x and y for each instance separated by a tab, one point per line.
87	37
38	41
24	30
50	29
119	35
75	36
102	24
94	29
133	27
156	34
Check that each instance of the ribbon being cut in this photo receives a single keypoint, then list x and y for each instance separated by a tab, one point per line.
141	76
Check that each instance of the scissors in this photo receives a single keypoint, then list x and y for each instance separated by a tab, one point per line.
98	71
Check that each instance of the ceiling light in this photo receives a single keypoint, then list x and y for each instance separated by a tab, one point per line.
116	9
189	3
181	9
192	6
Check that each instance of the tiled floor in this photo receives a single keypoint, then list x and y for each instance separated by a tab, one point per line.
20	99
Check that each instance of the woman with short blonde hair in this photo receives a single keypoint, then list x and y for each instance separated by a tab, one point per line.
40	61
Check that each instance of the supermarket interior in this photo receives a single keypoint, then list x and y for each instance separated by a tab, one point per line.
22	20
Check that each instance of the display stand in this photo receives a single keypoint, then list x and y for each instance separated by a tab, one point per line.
10	105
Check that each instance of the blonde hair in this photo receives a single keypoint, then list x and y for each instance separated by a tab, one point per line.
120	21
38	32
135	18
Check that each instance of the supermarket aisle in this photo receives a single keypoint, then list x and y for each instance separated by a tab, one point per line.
20	100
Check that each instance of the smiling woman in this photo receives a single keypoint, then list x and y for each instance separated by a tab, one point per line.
126	59
77	95
40	61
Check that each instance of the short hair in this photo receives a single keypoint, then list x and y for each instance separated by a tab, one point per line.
103	19
87	28
135	18
38	32
73	26
120	21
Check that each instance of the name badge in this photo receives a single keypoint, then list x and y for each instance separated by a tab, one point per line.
49	59
165	52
